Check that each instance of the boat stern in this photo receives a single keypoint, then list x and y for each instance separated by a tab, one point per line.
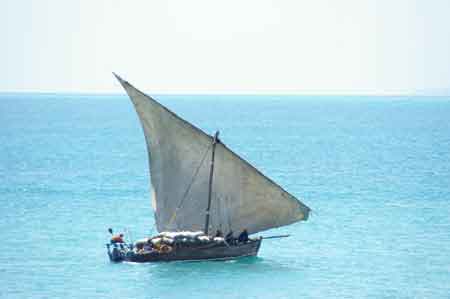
115	253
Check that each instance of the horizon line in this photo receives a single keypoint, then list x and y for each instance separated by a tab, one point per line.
230	93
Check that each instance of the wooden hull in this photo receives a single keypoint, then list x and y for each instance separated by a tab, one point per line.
186	252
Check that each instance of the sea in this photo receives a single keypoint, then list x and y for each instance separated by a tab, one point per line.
374	170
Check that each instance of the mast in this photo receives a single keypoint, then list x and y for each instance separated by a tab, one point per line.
211	172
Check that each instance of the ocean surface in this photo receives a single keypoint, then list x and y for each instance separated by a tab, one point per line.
374	170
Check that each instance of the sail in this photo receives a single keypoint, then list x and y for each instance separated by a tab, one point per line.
180	157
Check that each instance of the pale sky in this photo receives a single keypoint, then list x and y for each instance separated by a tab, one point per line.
228	46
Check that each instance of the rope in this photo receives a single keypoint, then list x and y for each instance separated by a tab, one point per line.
189	186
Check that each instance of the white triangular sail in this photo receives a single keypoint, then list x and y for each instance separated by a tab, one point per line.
179	158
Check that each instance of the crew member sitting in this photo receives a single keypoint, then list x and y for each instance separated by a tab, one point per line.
219	233
229	237
243	237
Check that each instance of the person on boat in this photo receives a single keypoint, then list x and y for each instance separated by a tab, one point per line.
243	237
117	239
219	233
229	237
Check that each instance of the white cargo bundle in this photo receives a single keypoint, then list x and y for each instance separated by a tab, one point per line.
204	238
156	240
182	234
219	240
184	237
141	241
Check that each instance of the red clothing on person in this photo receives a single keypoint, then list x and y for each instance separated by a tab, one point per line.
117	239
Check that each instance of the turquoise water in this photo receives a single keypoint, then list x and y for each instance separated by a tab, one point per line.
375	171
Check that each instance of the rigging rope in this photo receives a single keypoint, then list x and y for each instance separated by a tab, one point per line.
189	186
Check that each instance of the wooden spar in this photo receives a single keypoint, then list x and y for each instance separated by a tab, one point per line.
276	237
211	172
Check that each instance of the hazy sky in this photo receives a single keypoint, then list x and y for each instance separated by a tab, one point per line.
245	46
